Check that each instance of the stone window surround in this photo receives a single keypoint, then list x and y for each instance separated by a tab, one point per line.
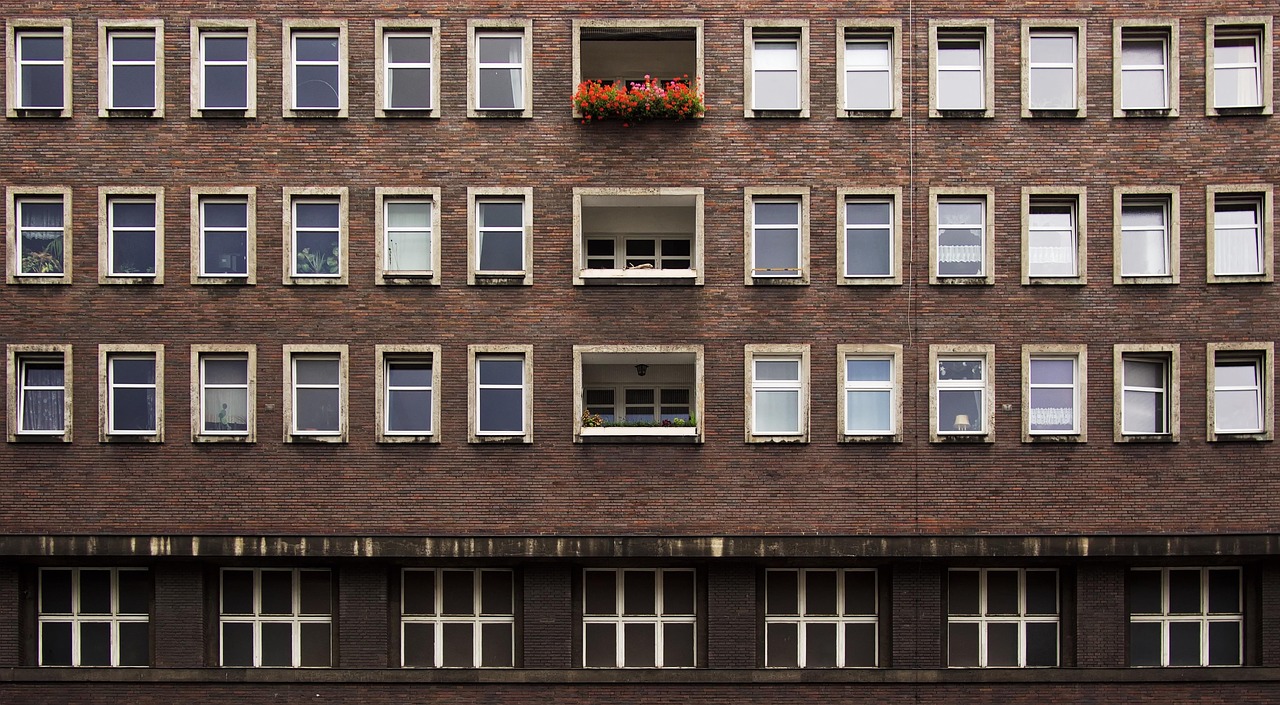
1166	351
250	352
757	350
988	355
317	193
1263	24
1081	355
203	26
105	353
17	26
579	24
1167	26
13	195
382	28
987	196
895	353
382	196
323	350
1264	354
1170	195
293	27
249	193
17	352
890	28
1264	193
522	27
1080	28
798	194
106	194
387	353
510	193
474	352
1078	197
800	28
699	391
985	29
579	246
854	193
105	28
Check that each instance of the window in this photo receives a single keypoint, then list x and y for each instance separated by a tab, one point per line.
131	68
315	380
407	54
1145	55
39	394
276	617
315	230
408	404
1002	617
962	396
869	66
501	224
871	249
821	618
961	84
1146	393
639	618
457	618
315	68
39	68
132	390
408	231
777	236
637	393
224	235
498	52
1238	66
38	234
131	235
1147	233
223	391
1053	236
960	236
1186	617
1240	233
224	68
500	381
777	405
870	402
624	52
95	617
1053	68
638	235
1053	378
776	61
1240	391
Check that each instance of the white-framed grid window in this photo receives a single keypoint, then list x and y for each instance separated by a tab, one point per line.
961	56
1186	617
1147	233
131	390
39	67
275	617
960	237
1239	388
777	236
95	617
224	389
315	379
224	236
821	618
38	234
870	248
1053	393
1002	617
500	390
1054	240
639	618
961	393
1145	60
457	618
39	392
498	53
1240	233
408	235
315	231
407	54
1146	393
870	392
224	68
408	398
131	235
1238	65
315	68
500	225
776	58
1053	68
868	68
777	393
131	68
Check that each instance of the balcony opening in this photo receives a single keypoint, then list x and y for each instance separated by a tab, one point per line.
639	395
639	236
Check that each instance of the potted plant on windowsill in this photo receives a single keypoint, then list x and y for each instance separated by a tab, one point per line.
595	425
653	99
318	262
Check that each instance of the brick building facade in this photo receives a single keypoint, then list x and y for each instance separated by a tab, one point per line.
346	360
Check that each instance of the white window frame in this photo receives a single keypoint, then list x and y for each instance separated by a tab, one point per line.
1022	619
980	31
799	354
338	353
888	31
76	618
1260	29
1078	355
202	28
17	358
382	84
891	196
986	354
1165	354
108	31
1203	618
17	28
892	353
257	619
1077	30
338	196
1077	199
199	354
476	353
246	195
476	620
794	33
1164	30
479	28
799	196
476	196
391	354
384	274
292	29
985	197
1261	355
1166	196
108	196
619	620
803	619
107	354
1261	197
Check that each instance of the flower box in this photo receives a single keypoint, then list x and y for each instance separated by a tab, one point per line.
639	434
638	102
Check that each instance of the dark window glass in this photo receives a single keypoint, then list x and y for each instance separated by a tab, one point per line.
820	645
860	645
1224	643
496	645
860	592
640	645
55	592
277	644
237	644
277	591
1184	643
677	646
1144	592
1224	592
95	643
495	592
135	644
638	588
419	592
315	643
677	592
783	645
134	591
237	592
459	645
962	644
458	587
601	592
601	646
1002	644
1042	644
1042	592
55	644
313	592
95	592
1144	644
820	592
420	645
1184	591
781	592
1002	592
962	592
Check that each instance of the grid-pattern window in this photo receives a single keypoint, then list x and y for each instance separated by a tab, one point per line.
869	395
868	72
317	70
625	252
777	396
500	68
1237	67
960	72
224	237
41	69
131	242
962	384
1238	246
224	69
1186	617
317	238
869	238
132	74
41	235
821	618
41	394
1144	237
776	72
224	394
1144	70
457	618
1051	70
1002	617
95	617
1145	405
408	80
1052	237
133	396
776	241
639	618
408	395
317	394
278	617
500	395
1053	407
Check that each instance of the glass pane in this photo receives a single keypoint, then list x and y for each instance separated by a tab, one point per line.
960	90
410	88
501	214
317	410
458	589
1184	592
868	90
314	592
1237	411
639	589
1053	49
776	90
820	645
317	87
409	411
141	48
310	371
496	642
225	253
867	253
277	591
1143	253
55	644
41	85
1002	592
640	645
1042	592
959	369
135	644
962	592
502	410
1224	592
860	645
133	252
277	644
226	215
677	646
237	644
777	249
1002	644
315	638
820	592
409	250
226	371
782	592
225	87
601	592
1135	52
677	592
782	644
1052	410
133	370
501	251
1045	371
1224	643
1184	643
55	592
860	592
962	645
496	592
49	48
133	409
1042	644
419	592
419	645
959	411
134	594
1143	89
775	56
777	213
777	411
600	646
225	48
1052	88
95	643
1232	87
500	49
95	591
959	53
237	592
1144	644
315	48
459	645
1144	592
408	49
133	86
43	410
869	412
500	89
